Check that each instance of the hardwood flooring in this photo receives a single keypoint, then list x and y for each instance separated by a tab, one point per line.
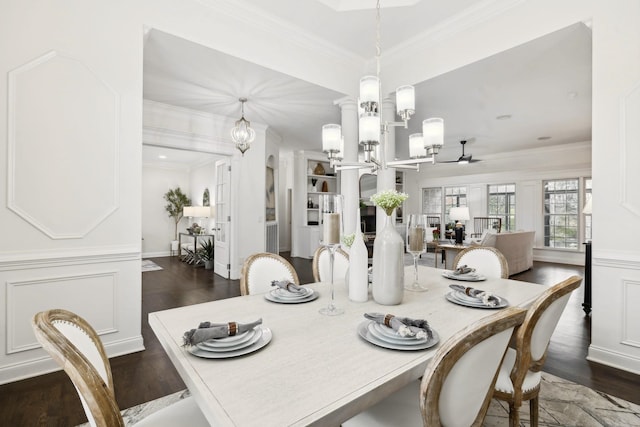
51	400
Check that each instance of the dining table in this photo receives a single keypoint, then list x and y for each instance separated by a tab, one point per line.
316	369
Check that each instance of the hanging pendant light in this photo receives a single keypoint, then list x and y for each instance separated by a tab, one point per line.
242	134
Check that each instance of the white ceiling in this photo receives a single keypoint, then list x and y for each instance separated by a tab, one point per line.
544	85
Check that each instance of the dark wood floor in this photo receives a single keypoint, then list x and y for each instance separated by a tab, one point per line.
51	400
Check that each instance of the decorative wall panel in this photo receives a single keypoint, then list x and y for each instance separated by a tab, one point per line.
630	150
62	146
631	315
27	297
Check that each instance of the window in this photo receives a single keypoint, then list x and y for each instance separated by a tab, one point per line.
453	197
561	213
432	201
502	203
587	216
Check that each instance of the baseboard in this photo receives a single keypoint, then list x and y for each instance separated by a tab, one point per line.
613	359
44	365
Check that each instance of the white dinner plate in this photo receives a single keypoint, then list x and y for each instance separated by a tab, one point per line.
214	345
274	298
365	334
284	294
387	334
263	341
451	296
469	277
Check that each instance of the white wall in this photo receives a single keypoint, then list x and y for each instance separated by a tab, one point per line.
158	228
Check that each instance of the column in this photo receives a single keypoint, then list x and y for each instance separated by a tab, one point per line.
349	186
387	150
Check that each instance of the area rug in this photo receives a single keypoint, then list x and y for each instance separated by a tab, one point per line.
562	403
148	265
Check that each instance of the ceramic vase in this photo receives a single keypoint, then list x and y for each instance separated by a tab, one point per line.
358	281
388	265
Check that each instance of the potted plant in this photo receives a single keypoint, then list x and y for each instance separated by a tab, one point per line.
176	201
206	253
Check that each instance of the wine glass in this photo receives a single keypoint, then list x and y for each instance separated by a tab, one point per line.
416	245
331	209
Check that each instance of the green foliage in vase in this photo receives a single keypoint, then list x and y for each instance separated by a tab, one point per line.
388	200
176	201
206	250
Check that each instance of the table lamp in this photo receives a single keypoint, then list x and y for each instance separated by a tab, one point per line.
460	213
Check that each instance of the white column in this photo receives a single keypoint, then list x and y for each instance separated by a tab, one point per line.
387	150
349	186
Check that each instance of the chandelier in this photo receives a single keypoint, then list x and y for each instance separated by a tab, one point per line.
242	134
423	147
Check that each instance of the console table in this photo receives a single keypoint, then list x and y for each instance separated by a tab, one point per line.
195	244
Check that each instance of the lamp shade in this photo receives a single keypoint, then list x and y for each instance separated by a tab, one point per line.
433	132
405	99
189	211
331	138
460	213
369	89
369	128
416	146
202	211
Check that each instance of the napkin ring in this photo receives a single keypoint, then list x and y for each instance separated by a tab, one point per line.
233	328
467	291
387	319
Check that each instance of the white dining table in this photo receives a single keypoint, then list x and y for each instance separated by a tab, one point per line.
316	370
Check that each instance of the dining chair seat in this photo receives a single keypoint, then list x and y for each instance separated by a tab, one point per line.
76	347
457	384
504	383
260	269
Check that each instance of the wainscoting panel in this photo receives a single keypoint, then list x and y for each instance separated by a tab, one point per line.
27	297
631	314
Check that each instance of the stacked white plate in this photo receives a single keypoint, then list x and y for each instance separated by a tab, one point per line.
458	297
386	337
237	345
284	296
468	277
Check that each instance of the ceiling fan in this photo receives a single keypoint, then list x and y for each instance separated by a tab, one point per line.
464	159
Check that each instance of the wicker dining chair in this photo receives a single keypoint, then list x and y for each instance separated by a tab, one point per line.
457	384
487	261
320	264
75	346
520	374
259	270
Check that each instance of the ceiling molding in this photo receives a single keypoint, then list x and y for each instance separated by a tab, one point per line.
481	12
269	23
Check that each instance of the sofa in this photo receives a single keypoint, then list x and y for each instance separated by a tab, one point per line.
516	246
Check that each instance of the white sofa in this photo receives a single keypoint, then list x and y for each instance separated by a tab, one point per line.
516	246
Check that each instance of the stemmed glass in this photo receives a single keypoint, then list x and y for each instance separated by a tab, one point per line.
331	210
416	245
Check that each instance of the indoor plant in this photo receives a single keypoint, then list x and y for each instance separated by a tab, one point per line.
388	252
206	252
176	201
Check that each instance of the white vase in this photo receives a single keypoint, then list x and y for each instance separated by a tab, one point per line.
358	265
388	265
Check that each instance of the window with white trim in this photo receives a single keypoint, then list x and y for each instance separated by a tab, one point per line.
561	213
501	202
454	197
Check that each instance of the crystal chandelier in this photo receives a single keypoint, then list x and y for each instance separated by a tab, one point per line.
423	147
242	134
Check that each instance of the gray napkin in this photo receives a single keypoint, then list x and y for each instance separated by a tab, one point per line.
404	326
463	269
208	330
288	286
482	296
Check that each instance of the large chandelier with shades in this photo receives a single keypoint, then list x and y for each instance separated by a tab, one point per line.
423	147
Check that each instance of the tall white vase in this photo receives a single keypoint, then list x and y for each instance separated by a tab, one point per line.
388	265
358	265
